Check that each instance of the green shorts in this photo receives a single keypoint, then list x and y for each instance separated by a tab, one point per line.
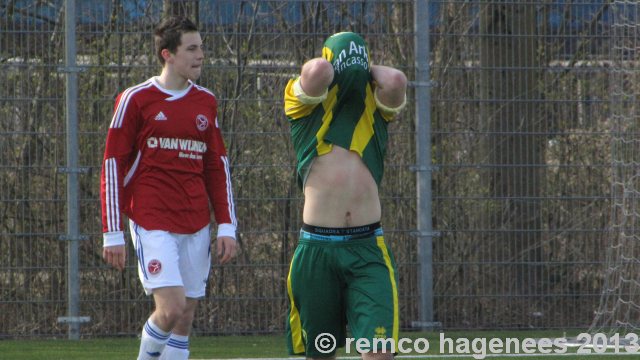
337	279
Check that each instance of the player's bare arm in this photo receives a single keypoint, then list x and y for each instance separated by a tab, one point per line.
391	86
316	76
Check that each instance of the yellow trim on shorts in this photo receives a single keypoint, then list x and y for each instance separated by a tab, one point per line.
294	318
394	288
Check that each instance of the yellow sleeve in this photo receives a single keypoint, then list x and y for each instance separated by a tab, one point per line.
293	107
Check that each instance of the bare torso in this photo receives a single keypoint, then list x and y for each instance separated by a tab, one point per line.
340	191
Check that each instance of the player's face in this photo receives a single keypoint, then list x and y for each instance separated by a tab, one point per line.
187	61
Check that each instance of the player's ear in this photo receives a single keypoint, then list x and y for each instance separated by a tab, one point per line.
166	55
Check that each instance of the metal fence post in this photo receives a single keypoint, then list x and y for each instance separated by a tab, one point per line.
423	167
72	170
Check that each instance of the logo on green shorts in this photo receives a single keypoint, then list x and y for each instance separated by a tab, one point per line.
381	332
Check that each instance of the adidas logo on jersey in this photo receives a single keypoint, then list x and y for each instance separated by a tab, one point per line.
160	116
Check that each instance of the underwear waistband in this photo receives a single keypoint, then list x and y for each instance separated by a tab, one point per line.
312	232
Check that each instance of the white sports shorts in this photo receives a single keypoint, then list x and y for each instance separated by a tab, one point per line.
170	259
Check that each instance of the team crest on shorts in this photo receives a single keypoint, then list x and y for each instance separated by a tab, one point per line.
381	332
154	266
202	122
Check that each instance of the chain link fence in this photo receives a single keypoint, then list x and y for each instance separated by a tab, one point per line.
520	146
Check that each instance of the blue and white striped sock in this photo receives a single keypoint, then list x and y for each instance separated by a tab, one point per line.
153	341
177	348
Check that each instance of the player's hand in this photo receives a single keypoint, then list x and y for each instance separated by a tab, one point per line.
115	256
226	249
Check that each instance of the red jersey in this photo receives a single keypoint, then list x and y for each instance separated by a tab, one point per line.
165	162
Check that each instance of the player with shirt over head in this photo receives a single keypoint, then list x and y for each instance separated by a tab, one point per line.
165	165
342	271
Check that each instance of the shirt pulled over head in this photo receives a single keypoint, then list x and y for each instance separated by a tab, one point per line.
349	55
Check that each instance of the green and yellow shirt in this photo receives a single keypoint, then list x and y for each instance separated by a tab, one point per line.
347	118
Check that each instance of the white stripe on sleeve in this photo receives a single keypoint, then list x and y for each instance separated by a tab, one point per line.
118	114
231	208
111	196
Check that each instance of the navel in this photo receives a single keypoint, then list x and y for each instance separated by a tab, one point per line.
347	219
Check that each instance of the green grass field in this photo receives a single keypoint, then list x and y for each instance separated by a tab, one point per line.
269	346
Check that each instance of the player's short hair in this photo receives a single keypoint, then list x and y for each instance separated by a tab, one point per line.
168	33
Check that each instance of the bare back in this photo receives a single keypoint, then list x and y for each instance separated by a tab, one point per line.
340	191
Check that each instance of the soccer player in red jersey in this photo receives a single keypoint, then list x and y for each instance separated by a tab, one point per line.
165	164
